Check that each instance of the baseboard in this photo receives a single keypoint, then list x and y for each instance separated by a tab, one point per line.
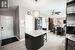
22	39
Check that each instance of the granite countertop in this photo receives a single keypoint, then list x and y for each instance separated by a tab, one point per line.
70	36
36	33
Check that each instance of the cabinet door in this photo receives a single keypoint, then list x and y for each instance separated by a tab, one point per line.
28	40
71	9
71	45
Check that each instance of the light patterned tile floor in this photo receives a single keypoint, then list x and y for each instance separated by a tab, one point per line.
54	42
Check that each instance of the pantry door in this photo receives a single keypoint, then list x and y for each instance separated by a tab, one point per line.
6	24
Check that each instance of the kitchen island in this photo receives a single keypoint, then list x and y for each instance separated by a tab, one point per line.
35	40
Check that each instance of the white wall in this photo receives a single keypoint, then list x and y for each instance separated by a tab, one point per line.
44	22
17	32
22	22
29	23
59	21
25	24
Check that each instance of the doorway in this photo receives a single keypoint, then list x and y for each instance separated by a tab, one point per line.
6	27
50	26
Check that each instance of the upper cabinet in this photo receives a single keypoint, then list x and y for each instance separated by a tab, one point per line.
70	12
70	7
70	1
3	3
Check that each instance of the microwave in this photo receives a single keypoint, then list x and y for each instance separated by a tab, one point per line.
70	29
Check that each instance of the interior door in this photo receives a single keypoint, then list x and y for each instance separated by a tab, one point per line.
50	24
6	27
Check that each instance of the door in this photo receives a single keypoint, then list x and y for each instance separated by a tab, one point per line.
50	24
6	24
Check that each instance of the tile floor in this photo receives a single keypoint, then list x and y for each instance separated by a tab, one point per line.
55	42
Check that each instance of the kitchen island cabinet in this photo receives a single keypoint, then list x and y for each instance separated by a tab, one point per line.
34	42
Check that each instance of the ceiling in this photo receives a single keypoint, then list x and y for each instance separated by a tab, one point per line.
45	6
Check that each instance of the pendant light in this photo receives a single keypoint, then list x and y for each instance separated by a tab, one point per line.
36	0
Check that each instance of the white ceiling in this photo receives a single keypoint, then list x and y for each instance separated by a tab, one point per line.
46	5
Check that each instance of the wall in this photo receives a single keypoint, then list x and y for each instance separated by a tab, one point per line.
17	32
58	22
26	21
8	13
22	22
44	22
29	23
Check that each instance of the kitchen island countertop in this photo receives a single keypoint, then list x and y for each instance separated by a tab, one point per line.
36	33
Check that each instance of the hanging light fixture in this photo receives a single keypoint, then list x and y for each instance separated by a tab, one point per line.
36	13
36	0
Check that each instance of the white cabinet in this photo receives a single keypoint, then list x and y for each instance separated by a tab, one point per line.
71	13
71	9
70	20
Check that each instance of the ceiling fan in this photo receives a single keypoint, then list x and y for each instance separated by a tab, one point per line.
55	12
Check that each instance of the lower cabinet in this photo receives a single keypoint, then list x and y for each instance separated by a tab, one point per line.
60	31
34	43
70	45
